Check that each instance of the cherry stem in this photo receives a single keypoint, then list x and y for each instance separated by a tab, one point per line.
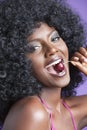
66	62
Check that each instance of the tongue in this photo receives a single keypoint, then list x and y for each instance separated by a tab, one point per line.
59	67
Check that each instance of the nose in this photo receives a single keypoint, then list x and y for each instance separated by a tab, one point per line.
51	50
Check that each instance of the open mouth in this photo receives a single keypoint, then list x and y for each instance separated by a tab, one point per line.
56	68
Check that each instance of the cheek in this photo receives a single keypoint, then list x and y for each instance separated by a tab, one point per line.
38	71
37	64
64	49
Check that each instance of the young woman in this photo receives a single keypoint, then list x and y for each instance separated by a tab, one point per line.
41	57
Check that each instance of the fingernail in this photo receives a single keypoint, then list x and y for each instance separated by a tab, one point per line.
76	58
85	60
83	63
73	63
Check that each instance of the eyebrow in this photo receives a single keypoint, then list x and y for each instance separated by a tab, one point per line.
53	31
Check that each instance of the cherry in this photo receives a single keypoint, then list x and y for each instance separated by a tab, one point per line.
59	67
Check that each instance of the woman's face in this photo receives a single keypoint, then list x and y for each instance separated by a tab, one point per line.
48	52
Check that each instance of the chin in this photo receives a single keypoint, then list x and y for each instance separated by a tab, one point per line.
63	82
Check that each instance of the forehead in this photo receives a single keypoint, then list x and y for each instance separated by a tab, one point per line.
42	30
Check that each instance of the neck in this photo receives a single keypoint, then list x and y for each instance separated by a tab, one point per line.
52	96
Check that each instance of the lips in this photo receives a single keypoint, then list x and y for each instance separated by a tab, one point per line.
56	67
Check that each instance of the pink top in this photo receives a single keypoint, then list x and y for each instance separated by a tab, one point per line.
51	120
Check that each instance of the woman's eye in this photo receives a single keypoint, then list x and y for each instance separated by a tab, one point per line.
54	39
33	48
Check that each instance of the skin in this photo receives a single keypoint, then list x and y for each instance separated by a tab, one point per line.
29	113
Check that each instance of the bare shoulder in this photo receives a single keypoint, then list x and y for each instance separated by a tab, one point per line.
27	114
78	106
77	100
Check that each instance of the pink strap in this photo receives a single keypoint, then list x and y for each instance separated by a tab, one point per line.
73	121
51	119
52	124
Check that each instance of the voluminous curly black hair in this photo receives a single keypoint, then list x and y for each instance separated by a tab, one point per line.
18	18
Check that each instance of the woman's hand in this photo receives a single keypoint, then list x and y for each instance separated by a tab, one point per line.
79	60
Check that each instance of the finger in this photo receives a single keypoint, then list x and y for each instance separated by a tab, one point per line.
74	58
79	57
80	66
83	51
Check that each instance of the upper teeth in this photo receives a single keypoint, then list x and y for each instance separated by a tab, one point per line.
54	63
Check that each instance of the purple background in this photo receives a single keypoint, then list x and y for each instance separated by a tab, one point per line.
80	6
